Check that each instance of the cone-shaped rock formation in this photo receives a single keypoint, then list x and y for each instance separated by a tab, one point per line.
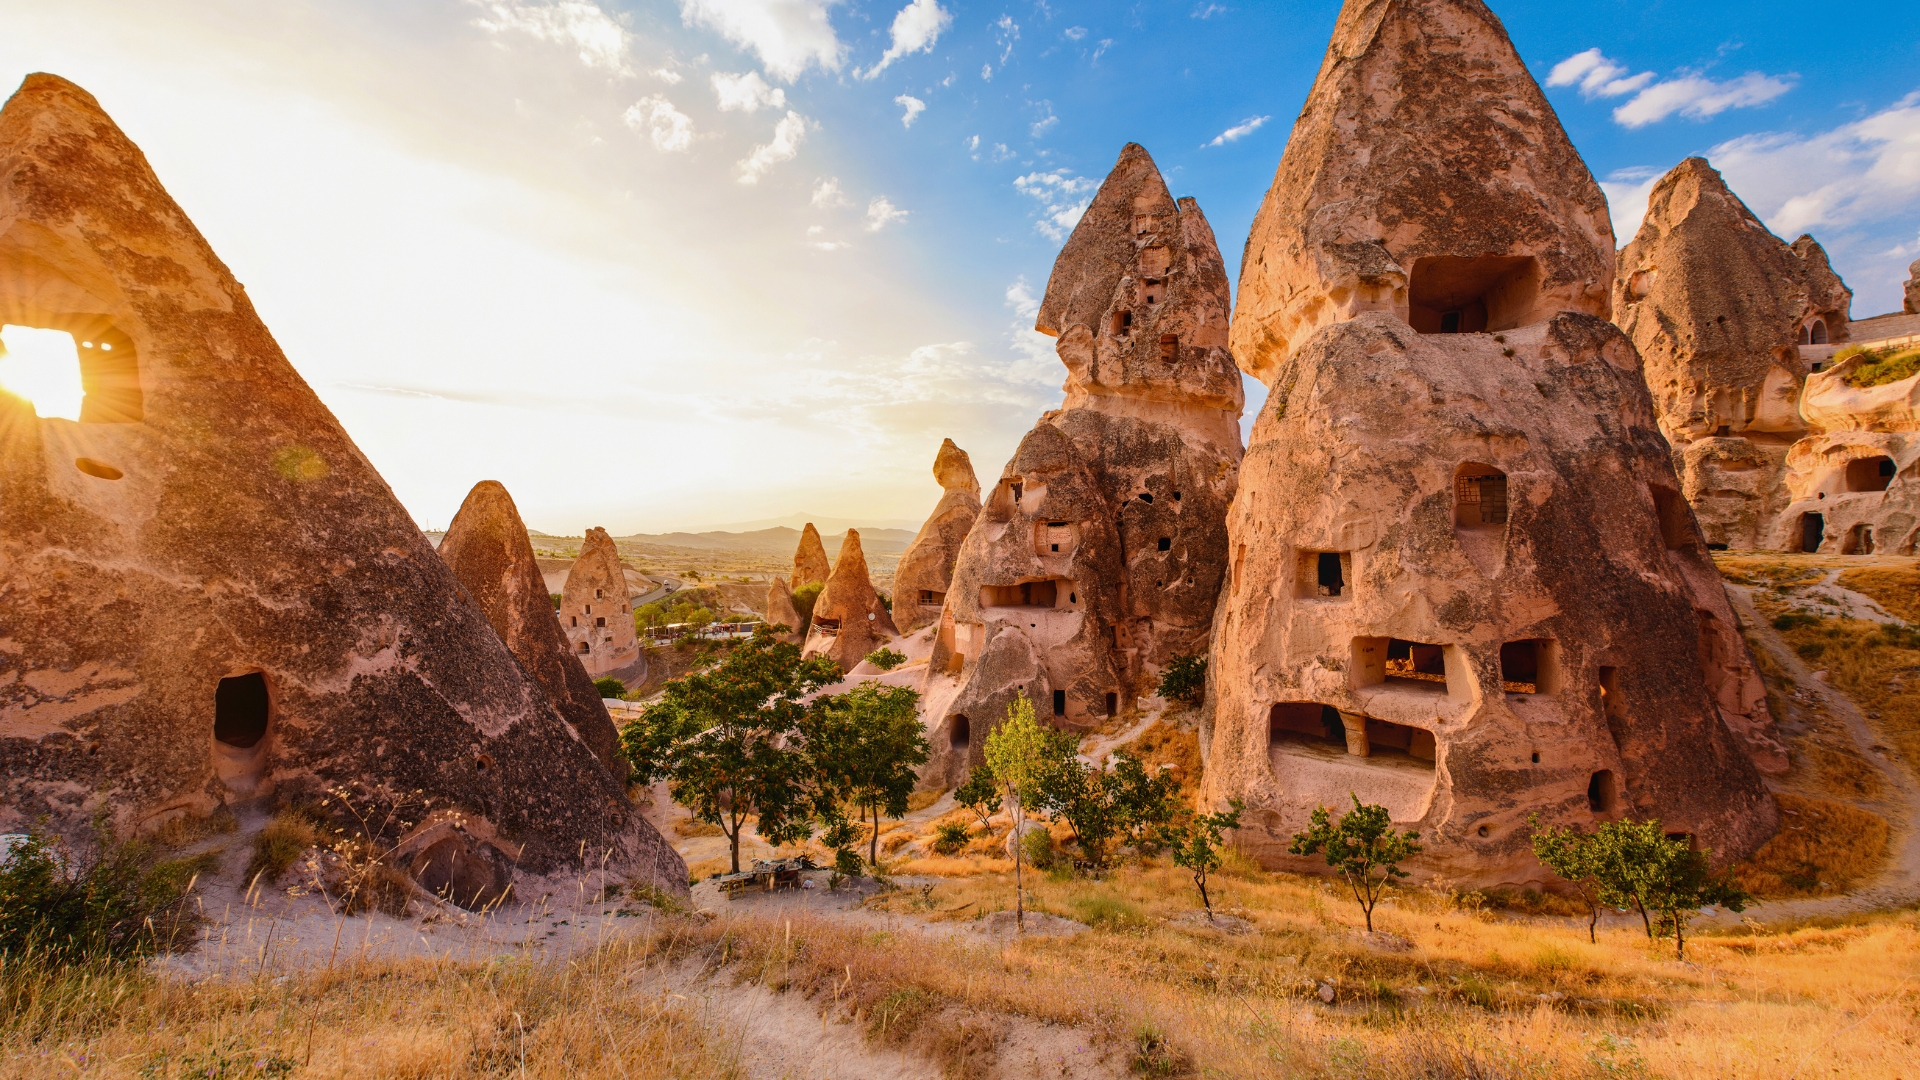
782	612
488	549
926	567
596	612
810	565
848	619
213	597
1912	292
1463	583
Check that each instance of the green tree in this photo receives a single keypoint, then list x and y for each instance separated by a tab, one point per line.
1100	805
1573	855
1185	679
1017	753
1360	844
863	747
1678	882
980	794
803	599
886	659
610	688
1196	845
722	739
1143	801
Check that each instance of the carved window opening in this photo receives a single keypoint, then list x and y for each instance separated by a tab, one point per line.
589	609
1530	666
1312	724
1122	322
1813	528
1054	537
1675	519
1479	497
1601	796
1451	295
596	594
1869	474
74	367
932	598
1817	332
1859	541
1145	496
1045	593
1166	543
1059	703
575	620
1169	348
1408	665
240	710
827	627
1113	703
600	620
584	647
1324	574
960	733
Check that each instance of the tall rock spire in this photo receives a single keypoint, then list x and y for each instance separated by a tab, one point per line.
926	567
596	612
848	619
810	565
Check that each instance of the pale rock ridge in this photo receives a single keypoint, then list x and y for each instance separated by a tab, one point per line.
488	548
849	621
1855	479
212	596
596	611
810	564
926	567
1463	584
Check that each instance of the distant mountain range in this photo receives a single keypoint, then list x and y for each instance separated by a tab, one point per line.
779	538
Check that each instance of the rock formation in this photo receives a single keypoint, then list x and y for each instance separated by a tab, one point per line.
1912	292
848	619
1718	307
596	612
810	565
1098	557
1853	479
488	549
211	596
781	611
1463	584
926	567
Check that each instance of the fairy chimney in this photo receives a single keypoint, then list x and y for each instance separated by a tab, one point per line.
782	612
488	549
810	565
596	612
1463	584
1912	291
212	596
926	567
848	619
1098	557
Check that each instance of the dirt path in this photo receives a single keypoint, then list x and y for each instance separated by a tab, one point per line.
1899	883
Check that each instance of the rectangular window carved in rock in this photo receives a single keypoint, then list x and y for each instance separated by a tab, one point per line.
1452	295
1324	575
1169	348
1530	666
1479	496
1410	665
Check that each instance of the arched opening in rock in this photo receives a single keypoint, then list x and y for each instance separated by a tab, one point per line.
584	647
1530	666
1479	497
1870	473
452	869
1858	541
959	733
1674	518
1817	332
1813	528
1447	294
73	367
1600	792
240	710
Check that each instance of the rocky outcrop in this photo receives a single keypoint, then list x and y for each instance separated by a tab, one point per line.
211	596
1829	301
1392	197
1855	480
488	549
810	565
1911	294
781	610
849	621
1463	582
596	612
926	567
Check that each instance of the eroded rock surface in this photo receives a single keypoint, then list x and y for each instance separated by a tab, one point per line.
596	611
210	595
926	567
810	563
1854	480
1912	292
849	621
782	612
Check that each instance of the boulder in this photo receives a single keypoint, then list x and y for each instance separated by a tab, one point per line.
596	612
926	567
488	549
212	596
810	565
849	621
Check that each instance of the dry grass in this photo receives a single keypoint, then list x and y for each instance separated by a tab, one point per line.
1769	571
1166	744
691	827
1896	588
1878	669
920	800
1823	848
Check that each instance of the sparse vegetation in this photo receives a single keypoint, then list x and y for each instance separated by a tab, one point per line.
950	836
1196	847
1879	367
1185	680
1360	843
1017	754
610	688
114	900
280	844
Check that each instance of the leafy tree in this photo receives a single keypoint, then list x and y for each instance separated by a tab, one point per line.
1362	842
1573	855
1017	754
886	659
803	598
1185	679
1143	801
950	837
1100	805
1196	845
863	746
610	688
980	794
117	902
1678	882
722	739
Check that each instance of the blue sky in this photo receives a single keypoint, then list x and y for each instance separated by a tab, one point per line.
682	263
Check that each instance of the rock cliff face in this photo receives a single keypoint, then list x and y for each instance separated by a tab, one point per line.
1912	292
1718	307
488	549
1855	480
810	563
596	613
1393	197
926	567
848	619
1463	583
211	597
1098	556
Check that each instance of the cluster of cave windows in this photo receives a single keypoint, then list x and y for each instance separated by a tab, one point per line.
1527	666
1312	723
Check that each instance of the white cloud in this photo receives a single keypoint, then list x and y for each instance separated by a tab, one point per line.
666	75
1596	75
1059	194
915	28
670	129
882	213
1628	191
1000	152
1045	123
577	24
914	107
830	245
973	146
816	230
787	35
986	72
1021	299
1040	363
827	193
747	93
1698	98
1208	11
1006	32
784	147
1074	33
1858	173
1240	130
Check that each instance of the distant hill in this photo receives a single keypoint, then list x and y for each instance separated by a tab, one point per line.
826	525
780	538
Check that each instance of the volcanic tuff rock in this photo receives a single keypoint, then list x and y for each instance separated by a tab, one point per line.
848	619
810	563
1718	307
782	612
920	582
488	549
211	596
1912	291
1099	554
1855	480
596	612
1392	197
1463	583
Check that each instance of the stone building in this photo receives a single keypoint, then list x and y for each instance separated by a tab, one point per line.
849	621
926	567
211	596
596	612
1462	581
1098	556
488	549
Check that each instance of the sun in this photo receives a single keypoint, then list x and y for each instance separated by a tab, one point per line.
42	366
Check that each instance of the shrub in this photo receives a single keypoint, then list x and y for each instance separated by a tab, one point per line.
610	688
1185	680
1037	846
1880	368
120	902
280	844
950	836
886	659
1793	619
803	598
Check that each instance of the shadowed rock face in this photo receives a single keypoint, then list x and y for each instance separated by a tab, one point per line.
1912	292
781	611
926	567
810	563
1463	584
848	619
1392	197
1718	307
595	612
488	549
246	612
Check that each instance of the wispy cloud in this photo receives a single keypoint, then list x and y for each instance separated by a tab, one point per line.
1006	32
670	129
1690	95
882	213
827	193
915	28
784	147
1207	11
787	35
746	93
1074	33
600	39
1060	196
1046	123
913	106
1596	76
666	75
1239	131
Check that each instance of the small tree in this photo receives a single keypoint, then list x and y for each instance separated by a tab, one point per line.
1143	801
1570	853
610	688
1678	883
863	747
1099	805
1362	842
1196	846
1185	679
886	659
980	794
1016	752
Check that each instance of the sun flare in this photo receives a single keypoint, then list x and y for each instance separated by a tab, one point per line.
42	366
